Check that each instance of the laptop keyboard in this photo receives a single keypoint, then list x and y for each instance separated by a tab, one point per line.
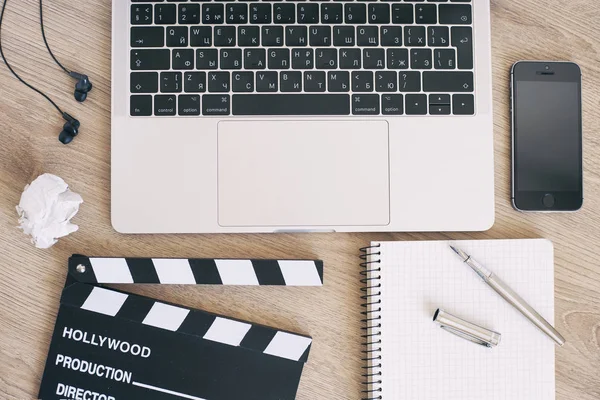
248	57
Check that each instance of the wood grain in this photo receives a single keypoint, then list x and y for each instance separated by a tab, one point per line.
31	279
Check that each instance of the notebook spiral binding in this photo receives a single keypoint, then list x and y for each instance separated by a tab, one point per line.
371	322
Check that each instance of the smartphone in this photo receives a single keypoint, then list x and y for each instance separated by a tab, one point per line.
547	153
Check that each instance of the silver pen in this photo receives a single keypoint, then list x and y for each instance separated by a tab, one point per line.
509	295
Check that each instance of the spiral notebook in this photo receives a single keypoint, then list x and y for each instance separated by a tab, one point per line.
408	356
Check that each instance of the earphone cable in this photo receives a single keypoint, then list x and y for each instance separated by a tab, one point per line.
13	71
46	41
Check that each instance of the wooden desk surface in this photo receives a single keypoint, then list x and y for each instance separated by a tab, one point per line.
31	280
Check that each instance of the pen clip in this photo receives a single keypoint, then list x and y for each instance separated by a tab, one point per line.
465	335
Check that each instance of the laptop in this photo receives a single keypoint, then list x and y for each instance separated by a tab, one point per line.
316	116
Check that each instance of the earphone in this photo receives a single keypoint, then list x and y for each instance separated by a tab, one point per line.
82	87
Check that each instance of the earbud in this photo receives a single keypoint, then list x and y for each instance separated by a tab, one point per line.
82	87
70	129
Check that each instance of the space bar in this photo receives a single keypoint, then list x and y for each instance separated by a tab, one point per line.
291	104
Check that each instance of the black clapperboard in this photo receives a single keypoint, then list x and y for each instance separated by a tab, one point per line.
112	345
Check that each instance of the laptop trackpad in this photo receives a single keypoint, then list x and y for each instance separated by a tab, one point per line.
303	173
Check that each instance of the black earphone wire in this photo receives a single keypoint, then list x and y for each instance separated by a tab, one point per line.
46	41
13	71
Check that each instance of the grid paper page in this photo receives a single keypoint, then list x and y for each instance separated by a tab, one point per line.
421	361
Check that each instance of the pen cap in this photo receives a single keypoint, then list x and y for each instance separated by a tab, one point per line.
466	330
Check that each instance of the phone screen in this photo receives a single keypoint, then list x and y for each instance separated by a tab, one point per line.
547	141
547	136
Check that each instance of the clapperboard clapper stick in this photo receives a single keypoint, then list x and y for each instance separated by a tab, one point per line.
111	345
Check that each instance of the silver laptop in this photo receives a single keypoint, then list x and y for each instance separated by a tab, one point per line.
274	116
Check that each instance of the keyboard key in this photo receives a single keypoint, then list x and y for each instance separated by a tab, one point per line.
302	58
189	14
409	81
248	36
338	81
143	82
463	104
462	39
255	59
213	13
355	13
416	104
438	81
194	82
331	13
236	13
201	36
290	81
148	36
140	106
165	105
420	59
224	36
350	59
279	58
343	36
308	13
373	58
158	59
272	36
444	59
386	81
314	81
365	104
414	36
177	36
291	104
362	81
242	81
455	14
165	14
319	36
326	58
170	82
392	104
379	13
391	36
260	13
189	104
141	14
231	59
426	14
439	109
207	59
296	36
218	82
439	99
266	81
402	14
438	36
367	36
216	104
183	59
284	13
397	58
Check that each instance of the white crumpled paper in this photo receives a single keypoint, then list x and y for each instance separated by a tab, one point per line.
45	210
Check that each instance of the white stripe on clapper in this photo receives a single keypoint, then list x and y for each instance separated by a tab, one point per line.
104	301
166	316
236	272
174	271
227	331
185	396
111	270
300	273
288	346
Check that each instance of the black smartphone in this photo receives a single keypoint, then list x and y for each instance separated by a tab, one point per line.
547	152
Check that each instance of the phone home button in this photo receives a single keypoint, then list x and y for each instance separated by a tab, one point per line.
548	200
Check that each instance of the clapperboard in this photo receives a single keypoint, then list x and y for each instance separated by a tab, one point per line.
111	345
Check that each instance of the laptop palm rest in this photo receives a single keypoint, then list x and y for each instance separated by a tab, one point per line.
303	173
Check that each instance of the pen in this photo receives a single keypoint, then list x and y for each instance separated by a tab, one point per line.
509	295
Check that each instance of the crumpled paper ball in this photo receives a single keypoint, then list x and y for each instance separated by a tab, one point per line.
45	210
